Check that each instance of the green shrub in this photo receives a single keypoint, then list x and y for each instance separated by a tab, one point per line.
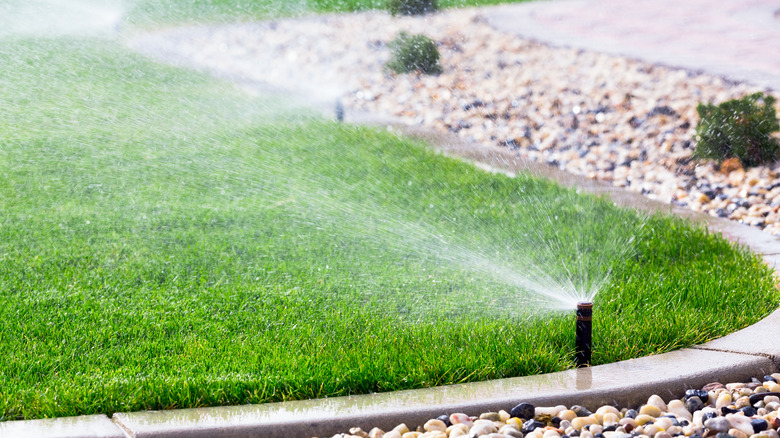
414	53
738	128
411	7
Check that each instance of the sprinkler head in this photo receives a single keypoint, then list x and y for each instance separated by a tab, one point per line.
583	338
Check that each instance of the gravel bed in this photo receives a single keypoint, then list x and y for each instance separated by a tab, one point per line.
623	121
733	410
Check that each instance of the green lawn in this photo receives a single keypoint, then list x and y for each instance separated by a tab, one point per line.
167	241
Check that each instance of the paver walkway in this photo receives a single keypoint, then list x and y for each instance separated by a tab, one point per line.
738	39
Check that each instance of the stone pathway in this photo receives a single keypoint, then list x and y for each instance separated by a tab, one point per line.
739	39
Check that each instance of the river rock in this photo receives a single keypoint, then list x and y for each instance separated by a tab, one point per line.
718	424
526	411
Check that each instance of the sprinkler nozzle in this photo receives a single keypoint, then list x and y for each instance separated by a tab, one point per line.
583	337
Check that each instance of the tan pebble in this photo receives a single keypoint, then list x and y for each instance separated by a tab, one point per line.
610	418
401	428
607	409
772	386
482	428
723	400
677	407
641	419
411	435
657	401
376	433
567	414
674	430
663	422
515	422
393	434
651	429
736	433
356	431
580	422
663	434
503	416
551	434
595	428
651	410
432	425
742	402
771	399
746	391
457	430
434	434
586	434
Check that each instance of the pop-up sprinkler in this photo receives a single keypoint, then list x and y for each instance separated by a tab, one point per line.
583	336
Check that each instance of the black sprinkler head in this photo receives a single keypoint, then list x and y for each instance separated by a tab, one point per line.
583	337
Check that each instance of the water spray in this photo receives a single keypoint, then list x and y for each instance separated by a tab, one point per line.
583	338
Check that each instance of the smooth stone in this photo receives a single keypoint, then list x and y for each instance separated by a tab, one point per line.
724	399
510	431
581	411
551	411
663	434
393	434
677	408
457	430
411	435
551	433
759	425
482	428
376	433
631	413
651	429
610	419
459	418
444	418
436	424
703	395
531	425
694	404
651	410
718	424
492	416
567	415
643	419
736	433
401	428
657	401
607	409
356	431
741	423
523	410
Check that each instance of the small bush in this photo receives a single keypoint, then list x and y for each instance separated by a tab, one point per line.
738	128
411	7
414	53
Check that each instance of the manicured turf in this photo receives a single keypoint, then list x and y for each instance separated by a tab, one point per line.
167	241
